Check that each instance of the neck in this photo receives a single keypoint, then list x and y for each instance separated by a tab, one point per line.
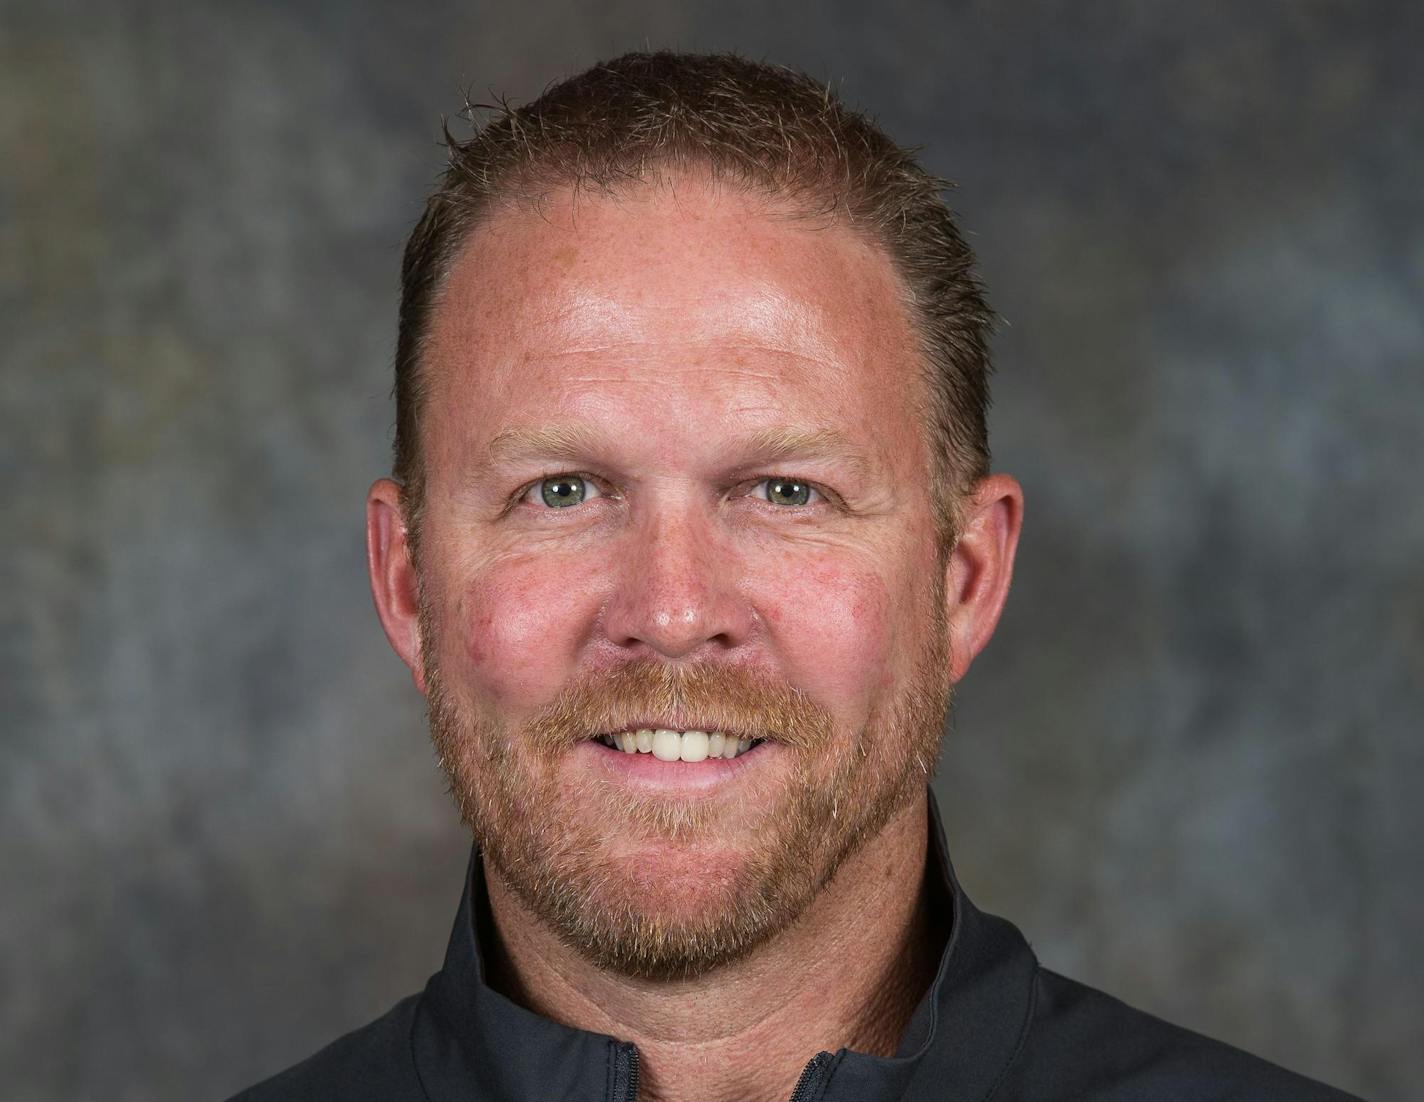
849	973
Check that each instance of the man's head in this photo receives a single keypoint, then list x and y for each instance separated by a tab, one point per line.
755	127
676	465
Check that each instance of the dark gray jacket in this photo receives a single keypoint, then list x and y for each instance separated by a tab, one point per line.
994	1025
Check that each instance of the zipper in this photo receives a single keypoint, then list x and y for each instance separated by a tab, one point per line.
625	1074
811	1076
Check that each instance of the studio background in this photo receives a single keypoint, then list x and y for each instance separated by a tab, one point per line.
1187	766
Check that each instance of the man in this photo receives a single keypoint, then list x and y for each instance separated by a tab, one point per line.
692	530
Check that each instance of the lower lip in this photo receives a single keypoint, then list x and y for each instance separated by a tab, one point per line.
649	771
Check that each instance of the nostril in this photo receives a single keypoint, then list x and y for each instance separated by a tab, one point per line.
675	595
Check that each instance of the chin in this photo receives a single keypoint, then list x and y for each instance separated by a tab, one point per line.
680	880
661	907
665	917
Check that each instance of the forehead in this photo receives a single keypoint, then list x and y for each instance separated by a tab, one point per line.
693	304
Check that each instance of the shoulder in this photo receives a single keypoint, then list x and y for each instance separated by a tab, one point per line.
373	1062
1082	1043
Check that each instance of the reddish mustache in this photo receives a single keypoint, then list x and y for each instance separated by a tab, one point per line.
704	697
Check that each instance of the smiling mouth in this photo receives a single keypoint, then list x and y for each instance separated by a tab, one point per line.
666	744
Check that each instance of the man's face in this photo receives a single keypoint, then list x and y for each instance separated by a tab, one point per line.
676	479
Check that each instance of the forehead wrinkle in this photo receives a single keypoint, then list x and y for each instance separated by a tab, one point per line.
710	374
702	348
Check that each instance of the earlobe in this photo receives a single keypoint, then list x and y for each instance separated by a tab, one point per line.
392	575
981	566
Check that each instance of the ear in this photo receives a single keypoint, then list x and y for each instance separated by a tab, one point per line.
393	583
980	567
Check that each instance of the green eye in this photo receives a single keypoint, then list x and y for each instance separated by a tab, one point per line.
786	491
564	490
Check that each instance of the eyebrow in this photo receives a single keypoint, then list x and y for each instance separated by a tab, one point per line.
773	445
770	445
547	441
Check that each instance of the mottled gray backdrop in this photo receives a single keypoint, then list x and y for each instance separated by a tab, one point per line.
1189	765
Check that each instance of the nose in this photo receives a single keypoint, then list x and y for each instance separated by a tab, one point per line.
676	592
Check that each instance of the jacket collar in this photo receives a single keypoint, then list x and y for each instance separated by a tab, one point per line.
472	1044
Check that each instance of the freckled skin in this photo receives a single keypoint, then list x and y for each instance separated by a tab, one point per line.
675	323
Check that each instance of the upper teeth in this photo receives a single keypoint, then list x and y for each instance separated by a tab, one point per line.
667	745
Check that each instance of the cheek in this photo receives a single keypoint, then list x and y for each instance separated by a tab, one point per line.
831	622
516	627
